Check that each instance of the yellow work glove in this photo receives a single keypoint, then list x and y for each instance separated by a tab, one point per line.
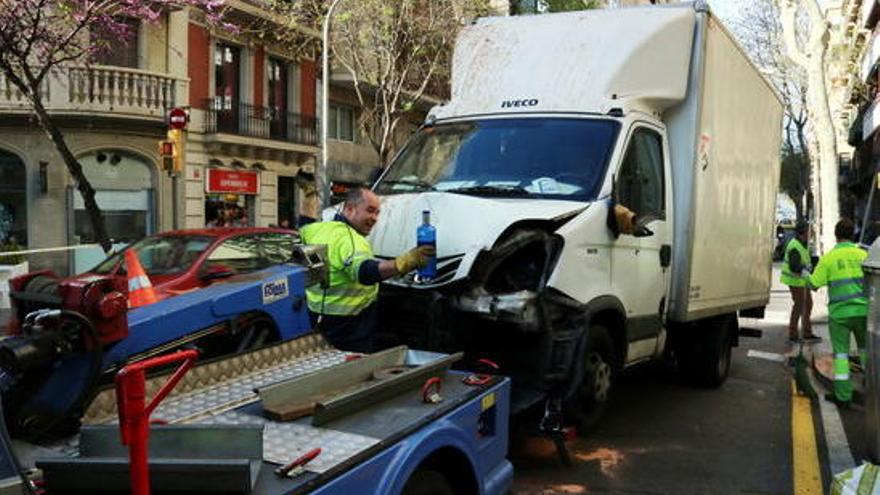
414	258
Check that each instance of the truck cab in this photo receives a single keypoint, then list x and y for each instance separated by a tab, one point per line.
539	192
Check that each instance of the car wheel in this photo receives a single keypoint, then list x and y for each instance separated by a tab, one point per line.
427	482
597	384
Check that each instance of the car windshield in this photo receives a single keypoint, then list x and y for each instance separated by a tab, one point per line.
555	158
160	255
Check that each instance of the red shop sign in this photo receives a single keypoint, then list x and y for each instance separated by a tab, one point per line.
230	181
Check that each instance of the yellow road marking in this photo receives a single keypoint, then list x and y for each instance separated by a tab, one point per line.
805	455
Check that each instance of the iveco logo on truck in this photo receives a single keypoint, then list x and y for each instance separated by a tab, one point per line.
519	103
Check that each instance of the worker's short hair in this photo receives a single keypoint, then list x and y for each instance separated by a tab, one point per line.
801	227
844	230
354	196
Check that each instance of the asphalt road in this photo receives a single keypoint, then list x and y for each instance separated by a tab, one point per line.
662	436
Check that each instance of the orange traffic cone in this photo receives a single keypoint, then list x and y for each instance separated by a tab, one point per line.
140	290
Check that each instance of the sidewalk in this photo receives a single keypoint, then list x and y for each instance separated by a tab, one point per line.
844	429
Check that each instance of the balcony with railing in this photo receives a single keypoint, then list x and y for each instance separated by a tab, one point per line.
244	119
102	91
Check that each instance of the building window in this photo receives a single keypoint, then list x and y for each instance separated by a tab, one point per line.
226	86
277	79
340	123
123	185
13	200
112	52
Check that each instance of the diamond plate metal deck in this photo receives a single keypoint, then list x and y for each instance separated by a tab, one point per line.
103	408
239	391
214	393
209	394
284	442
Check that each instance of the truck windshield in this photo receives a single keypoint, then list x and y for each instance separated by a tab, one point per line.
555	158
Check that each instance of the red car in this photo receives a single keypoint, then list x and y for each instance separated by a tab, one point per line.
184	260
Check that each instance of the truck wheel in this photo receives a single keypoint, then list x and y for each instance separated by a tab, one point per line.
704	351
427	482
593	395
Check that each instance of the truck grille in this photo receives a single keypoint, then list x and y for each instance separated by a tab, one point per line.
447	267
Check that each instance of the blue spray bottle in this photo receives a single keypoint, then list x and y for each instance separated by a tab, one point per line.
426	234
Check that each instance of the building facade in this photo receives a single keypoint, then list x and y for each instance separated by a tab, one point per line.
250	146
352	159
252	141
111	114
858	113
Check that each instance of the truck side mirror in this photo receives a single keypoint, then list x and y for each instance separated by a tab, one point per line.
642	231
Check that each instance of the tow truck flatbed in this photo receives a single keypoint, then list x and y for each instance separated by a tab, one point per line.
371	449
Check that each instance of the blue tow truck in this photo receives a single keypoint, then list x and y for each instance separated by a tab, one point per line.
294	417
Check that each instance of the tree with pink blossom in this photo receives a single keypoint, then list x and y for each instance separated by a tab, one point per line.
37	37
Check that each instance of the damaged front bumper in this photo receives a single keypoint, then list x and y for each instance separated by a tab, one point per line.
521	308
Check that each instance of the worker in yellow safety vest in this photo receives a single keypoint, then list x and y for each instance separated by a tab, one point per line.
841	270
345	312
795	269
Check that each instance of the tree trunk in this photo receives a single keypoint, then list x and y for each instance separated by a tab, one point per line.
82	183
823	148
828	172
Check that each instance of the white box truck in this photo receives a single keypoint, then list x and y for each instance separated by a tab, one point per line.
555	122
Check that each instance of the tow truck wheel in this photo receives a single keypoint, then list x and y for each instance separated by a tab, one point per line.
427	482
594	392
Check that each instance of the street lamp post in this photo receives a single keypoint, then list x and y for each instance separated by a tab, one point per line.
321	176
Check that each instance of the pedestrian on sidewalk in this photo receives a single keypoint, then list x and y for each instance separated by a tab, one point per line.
841	270
795	270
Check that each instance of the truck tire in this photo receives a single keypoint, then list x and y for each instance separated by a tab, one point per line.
425	481
594	392
704	350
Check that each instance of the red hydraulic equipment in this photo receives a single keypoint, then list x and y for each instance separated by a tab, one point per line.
99	298
134	412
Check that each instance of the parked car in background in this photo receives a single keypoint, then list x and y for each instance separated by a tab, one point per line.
184	260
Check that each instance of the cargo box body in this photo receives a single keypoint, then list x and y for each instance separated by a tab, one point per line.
724	142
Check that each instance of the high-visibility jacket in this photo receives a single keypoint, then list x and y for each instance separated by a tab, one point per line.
789	276
346	250
841	270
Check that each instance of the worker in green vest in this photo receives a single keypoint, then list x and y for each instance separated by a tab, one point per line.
795	269
345	312
841	270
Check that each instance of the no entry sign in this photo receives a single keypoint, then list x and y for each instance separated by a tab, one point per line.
177	118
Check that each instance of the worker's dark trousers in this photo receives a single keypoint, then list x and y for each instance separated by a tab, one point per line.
349	333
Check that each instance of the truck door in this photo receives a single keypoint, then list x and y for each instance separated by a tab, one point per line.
643	187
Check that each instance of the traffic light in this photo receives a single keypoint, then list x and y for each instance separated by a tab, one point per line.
166	155
171	151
